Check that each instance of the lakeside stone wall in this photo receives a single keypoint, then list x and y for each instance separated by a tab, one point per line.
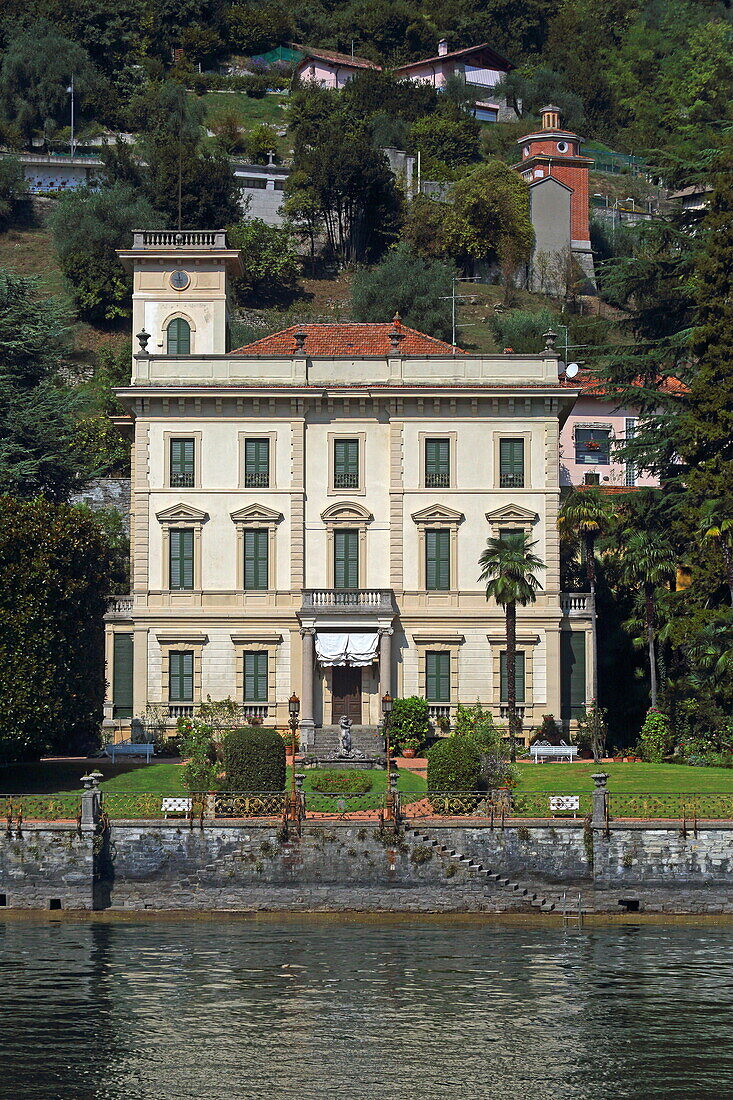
340	866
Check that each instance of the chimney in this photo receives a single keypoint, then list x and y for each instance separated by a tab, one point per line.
443	47
299	338
395	334
550	118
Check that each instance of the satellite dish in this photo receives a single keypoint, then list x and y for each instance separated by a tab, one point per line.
571	370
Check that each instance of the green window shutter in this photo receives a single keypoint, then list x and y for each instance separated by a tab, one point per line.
437	561
180	677
182	462
519	678
346	464
346	559
255	677
181	558
437	463
511	463
257	463
572	674
437	676
256	553
178	337
122	676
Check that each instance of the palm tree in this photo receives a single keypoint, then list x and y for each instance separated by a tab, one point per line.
648	561
716	525
508	566
587	514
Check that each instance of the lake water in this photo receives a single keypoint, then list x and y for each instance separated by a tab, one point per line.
232	1009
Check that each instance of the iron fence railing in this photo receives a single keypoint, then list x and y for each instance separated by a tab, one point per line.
678	806
344	805
210	805
40	807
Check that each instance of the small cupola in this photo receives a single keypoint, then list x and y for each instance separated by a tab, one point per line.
550	118
443	47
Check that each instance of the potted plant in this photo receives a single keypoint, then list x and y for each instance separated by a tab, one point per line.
410	747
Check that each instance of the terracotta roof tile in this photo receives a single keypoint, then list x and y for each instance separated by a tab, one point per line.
501	62
338	58
591	385
348	340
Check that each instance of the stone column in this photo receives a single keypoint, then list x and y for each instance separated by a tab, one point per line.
600	801
385	662
307	720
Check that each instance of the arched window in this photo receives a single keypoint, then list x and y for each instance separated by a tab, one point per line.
179	337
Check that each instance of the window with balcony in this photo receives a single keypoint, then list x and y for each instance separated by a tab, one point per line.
437	463
511	463
593	446
437	560
437	676
178	337
256	463
183	458
180	676
181	558
255	676
346	464
256	559
346	559
519	677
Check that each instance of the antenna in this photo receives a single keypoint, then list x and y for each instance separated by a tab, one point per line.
571	370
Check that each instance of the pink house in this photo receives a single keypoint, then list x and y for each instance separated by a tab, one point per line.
481	67
592	434
330	69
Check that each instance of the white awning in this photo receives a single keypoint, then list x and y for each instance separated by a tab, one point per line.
347	649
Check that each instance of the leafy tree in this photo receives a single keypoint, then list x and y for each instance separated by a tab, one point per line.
648	562
522	330
404	283
587	515
40	452
372	93
509	568
88	226
54	579
716	525
423	227
489	219
13	190
34	77
450	140
270	260
655	739
228	129
531	87
260	142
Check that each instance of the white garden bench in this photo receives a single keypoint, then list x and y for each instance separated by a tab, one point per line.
543	750
564	804
130	748
175	806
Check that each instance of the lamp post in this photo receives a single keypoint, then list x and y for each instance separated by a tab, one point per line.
293	711
386	712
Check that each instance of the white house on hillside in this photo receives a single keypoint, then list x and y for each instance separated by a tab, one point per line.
308	512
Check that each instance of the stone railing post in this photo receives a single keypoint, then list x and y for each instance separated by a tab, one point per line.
300	794
599	818
91	798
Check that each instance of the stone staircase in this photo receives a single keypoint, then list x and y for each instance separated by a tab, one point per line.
366	742
544	903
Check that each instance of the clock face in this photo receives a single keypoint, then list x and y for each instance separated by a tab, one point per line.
180	279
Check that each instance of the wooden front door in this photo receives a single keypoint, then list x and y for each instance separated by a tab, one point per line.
346	695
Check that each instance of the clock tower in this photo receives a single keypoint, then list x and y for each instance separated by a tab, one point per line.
180	296
553	154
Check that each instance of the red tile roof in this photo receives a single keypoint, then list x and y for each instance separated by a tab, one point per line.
591	385
496	58
345	59
348	340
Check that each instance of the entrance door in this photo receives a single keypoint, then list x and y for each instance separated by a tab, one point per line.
346	694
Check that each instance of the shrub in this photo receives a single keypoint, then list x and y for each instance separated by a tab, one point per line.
254	760
405	283
409	719
521	330
655	739
345	782
548	731
454	764
200	772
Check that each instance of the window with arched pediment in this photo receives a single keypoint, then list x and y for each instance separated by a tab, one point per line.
178	337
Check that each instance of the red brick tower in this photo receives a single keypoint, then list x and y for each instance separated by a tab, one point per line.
553	152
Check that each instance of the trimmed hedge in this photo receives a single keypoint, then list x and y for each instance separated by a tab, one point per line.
344	782
454	764
254	759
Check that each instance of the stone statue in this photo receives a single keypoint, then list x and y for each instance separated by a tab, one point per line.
345	738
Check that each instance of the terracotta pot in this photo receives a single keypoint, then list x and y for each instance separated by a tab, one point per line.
409	753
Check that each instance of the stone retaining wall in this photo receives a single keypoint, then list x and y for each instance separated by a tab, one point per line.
346	866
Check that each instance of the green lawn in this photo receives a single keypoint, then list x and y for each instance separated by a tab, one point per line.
629	778
53	777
